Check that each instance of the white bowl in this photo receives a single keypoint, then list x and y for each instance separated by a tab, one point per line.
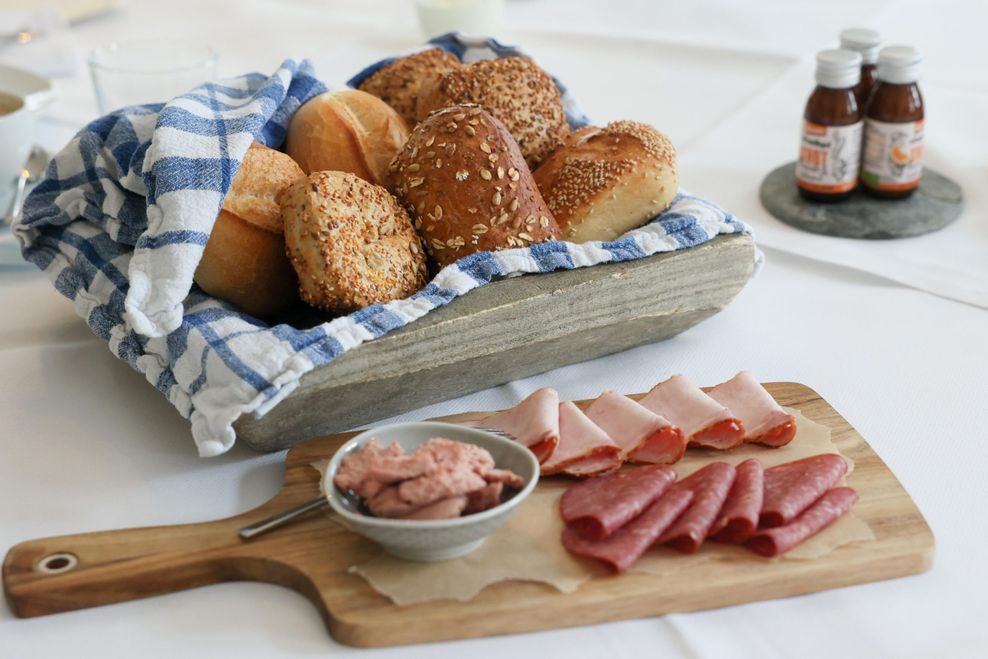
440	539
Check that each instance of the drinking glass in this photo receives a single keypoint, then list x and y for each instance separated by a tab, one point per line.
149	71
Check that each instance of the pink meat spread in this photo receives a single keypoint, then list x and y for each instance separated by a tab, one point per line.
440	480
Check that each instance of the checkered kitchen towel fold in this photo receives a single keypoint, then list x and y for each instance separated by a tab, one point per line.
120	220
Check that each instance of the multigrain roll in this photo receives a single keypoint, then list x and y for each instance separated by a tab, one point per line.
607	181
515	91
465	182
351	243
399	83
348	131
244	260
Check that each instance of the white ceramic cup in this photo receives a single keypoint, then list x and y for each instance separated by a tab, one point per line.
16	138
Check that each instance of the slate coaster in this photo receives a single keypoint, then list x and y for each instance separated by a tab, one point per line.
936	203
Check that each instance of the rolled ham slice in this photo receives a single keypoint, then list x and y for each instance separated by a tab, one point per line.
703	421
710	486
738	518
792	487
764	420
584	449
824	512
597	507
642	435
621	549
534	422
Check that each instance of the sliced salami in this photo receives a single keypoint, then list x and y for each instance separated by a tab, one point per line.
642	435
824	512
598	507
534	422
583	449
621	549
790	488
738	518
703	421
764	420
709	486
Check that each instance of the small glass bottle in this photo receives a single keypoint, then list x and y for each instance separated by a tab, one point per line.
893	134
830	147
866	42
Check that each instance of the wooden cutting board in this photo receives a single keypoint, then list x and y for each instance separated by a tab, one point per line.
312	556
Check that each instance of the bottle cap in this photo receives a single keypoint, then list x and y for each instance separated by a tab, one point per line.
862	40
899	64
838	68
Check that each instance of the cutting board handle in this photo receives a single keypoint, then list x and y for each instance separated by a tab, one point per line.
69	572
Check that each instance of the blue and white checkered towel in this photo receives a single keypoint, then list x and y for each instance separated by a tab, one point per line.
120	220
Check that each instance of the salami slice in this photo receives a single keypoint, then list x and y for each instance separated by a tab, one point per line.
584	449
642	435
703	421
738	518
790	488
621	549
824	512
710	486
764	420
534	422
597	507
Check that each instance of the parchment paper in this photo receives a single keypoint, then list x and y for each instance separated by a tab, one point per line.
528	547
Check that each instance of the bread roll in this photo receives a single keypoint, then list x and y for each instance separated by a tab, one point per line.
465	182
608	181
399	83
346	131
244	261
513	89
351	243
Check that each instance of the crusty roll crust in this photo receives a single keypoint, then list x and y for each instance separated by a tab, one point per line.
399	83
351	242
513	89
347	131
244	260
465	182
607	181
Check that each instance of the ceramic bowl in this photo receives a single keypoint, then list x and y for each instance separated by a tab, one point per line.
442	539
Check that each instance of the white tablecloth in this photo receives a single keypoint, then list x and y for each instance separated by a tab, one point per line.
905	367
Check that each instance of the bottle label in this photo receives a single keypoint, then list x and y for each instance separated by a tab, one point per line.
893	154
829	157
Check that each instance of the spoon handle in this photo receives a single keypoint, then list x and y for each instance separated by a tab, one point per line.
269	523
18	203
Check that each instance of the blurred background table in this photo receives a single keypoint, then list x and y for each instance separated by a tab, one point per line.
855	321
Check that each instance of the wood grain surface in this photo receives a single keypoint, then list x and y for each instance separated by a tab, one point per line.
312	555
505	331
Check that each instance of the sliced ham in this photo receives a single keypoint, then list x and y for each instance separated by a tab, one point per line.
792	487
621	549
738	518
442	509
389	469
642	435
824	512
387	503
709	486
703	421
504	477
764	420
584	449
534	422
598	507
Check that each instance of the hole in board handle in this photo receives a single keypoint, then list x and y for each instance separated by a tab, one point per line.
57	563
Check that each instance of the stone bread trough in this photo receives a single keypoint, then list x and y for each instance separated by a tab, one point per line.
507	330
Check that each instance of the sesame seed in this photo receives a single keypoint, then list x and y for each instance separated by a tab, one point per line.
496	199
432	138
485	147
462	175
470	131
485	174
526	236
513	206
415	182
513	174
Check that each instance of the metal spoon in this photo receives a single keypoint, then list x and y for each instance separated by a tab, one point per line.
268	523
35	166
